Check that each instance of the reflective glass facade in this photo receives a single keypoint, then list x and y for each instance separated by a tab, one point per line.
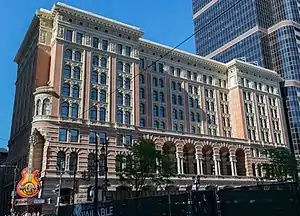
264	32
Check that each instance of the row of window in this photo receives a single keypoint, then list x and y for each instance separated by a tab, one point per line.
68	54
258	86
68	74
66	90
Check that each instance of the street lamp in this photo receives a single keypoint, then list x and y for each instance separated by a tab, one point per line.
196	183
13	193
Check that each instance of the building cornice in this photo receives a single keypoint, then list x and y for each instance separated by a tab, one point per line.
91	17
254	68
182	54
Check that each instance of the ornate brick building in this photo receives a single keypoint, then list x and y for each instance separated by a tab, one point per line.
80	74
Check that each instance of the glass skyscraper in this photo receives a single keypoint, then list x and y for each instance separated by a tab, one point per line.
263	32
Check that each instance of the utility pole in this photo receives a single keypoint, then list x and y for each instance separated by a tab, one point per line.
96	179
106	170
74	183
13	194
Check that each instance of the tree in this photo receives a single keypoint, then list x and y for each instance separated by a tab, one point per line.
281	165
143	162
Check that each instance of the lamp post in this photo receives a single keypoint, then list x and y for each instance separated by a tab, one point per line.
13	193
61	169
96	179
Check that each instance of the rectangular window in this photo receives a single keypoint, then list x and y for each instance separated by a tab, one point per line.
142	63
120	140
154	66
204	79
160	67
63	134
74	135
95	42
79	37
102	137
178	71
105	45
128	140
172	69
92	137
119	49
195	76
189	74
128	51
210	80
69	35
220	83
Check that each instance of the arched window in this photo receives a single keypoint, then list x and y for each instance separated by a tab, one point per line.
74	110
197	103
60	160
197	117
102	96
142	109
67	71
127	100
102	114
65	109
179	100
162	111
192	116
120	117
127	83
162	125
141	79
213	119
120	99
155	110
156	124
103	78
76	73
174	99
95	61
173	86
94	77
193	129
94	94
91	164
68	54
175	127
142	122
174	114
75	91
180	115
179	86
73	162
93	113
181	127
120	82
46	107
38	107
127	68
103	62
154	80
77	56
120	66
127	118
155	96
161	83
191	102
66	89
161	97
142	93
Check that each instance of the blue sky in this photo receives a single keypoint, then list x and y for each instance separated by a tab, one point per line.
164	21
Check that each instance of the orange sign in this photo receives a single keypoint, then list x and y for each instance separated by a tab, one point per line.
28	186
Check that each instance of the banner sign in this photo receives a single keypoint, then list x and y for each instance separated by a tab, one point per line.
87	209
25	202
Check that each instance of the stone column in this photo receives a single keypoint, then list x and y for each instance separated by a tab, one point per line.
233	165
216	164
198	164
178	163
201	165
181	165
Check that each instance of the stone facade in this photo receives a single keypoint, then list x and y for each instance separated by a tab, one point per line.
90	74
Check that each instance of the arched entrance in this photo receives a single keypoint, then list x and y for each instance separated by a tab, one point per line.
208	163
189	162
225	161
169	149
240	162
